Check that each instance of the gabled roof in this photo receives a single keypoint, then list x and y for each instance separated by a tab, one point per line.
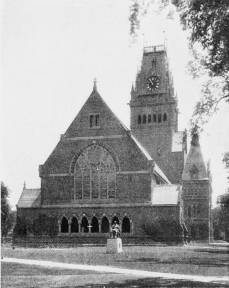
30	198
147	155
143	150
166	195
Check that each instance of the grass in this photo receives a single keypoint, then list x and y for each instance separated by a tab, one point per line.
179	260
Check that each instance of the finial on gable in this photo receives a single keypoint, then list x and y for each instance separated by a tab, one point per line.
95	85
24	186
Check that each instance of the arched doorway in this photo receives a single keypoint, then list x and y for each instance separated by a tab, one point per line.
84	225
126	225
115	218
105	225
64	225
95	225
74	225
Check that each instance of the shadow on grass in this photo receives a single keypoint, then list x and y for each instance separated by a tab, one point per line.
193	261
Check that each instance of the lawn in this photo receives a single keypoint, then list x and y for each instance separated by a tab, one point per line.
179	260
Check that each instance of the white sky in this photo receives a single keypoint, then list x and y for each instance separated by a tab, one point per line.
52	51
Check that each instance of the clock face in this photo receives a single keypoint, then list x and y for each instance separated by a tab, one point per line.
153	83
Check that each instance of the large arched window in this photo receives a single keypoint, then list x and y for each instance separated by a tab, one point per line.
126	225
64	225
95	174
74	225
105	225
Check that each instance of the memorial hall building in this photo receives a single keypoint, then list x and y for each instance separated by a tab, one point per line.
101	172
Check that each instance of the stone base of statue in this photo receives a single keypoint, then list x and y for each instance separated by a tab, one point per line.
114	245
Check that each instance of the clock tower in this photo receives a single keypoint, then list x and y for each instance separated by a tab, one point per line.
154	112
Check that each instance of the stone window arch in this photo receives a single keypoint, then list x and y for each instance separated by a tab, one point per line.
64	225
139	119
74	225
105	226
94	225
84	225
95	174
126	225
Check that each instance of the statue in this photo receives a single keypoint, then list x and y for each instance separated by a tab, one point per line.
115	230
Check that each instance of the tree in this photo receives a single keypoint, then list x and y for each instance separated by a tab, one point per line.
45	225
7	216
162	229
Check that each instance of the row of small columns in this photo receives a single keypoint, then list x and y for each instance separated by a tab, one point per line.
89	226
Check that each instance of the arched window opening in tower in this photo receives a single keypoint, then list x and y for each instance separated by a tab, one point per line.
149	118
74	225
95	174
154	64
126	225
154	118
105	227
64	225
159	118
84	225
144	119
95	225
139	119
165	117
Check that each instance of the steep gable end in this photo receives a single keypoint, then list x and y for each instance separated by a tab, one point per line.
95	119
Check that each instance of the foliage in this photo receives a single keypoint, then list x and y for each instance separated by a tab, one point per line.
162	229
45	225
208	23
220	222
20	228
7	216
223	201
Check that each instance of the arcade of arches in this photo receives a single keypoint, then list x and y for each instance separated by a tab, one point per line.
93	225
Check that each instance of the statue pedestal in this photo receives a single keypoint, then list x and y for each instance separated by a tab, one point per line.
114	245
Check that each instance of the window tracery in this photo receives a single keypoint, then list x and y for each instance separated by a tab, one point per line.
95	174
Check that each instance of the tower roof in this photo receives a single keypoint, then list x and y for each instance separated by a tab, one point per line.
195	167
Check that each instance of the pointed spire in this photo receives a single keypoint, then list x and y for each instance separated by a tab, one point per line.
24	186
95	85
132	89
195	137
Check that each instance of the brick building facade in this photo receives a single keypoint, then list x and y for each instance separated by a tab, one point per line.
100	171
